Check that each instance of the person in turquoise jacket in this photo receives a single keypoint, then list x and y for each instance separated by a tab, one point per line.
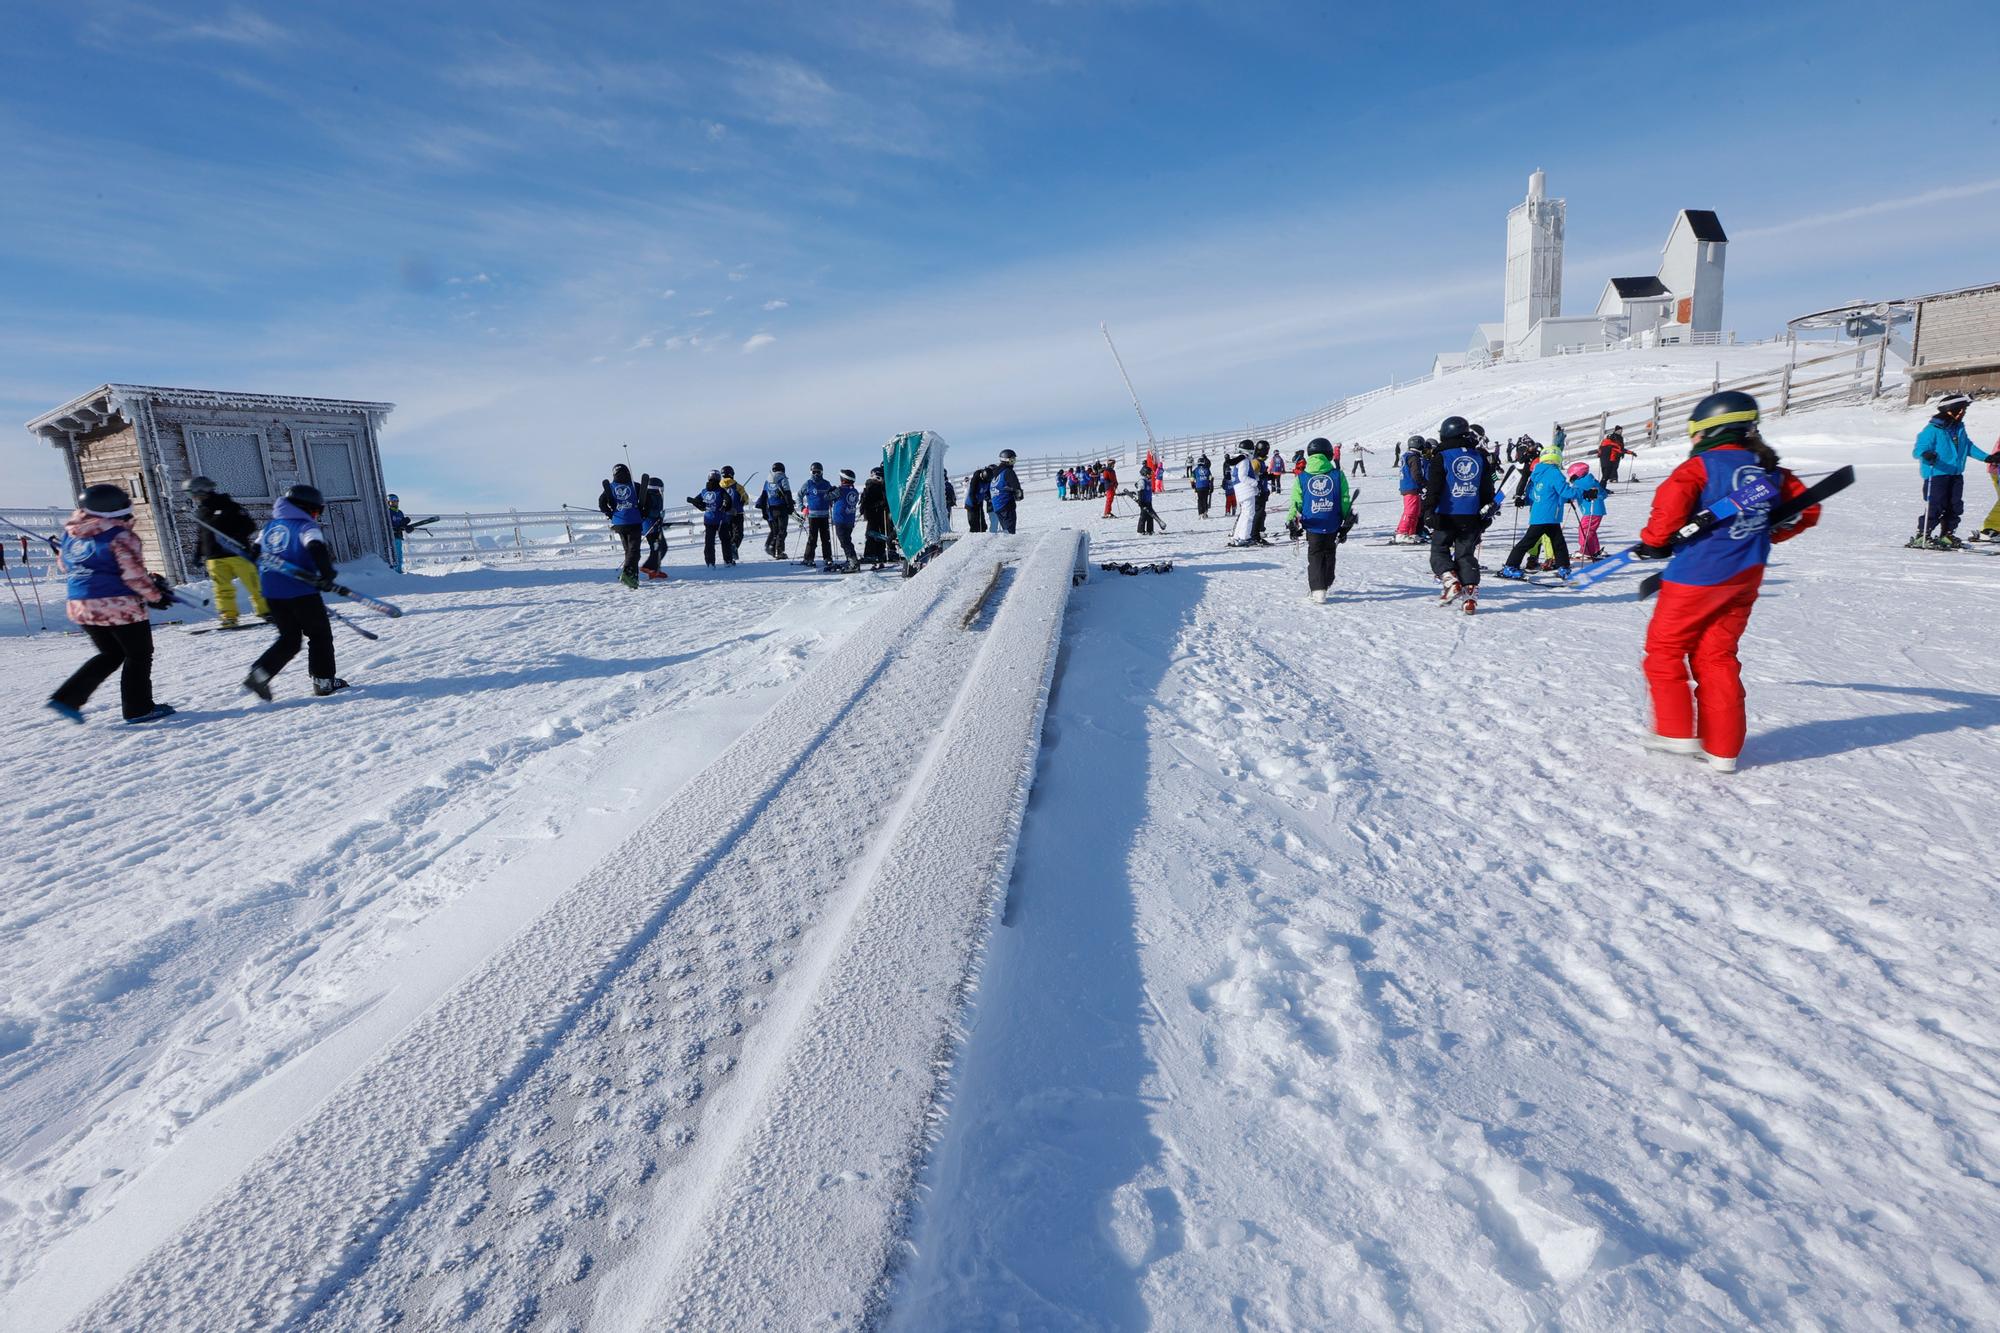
1548	491
1589	511
1943	446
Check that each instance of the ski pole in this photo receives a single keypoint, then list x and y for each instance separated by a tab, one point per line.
34	584
53	544
16	591
364	633
303	575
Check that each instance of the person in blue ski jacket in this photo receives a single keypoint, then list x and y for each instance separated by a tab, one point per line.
1943	446
399	528
297	563
816	504
717	503
624	504
776	504
653	491
1003	492
1203	480
1548	491
1410	485
1589	511
1457	504
846	509
110	589
975	501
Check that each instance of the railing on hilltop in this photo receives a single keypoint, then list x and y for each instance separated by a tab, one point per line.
1778	392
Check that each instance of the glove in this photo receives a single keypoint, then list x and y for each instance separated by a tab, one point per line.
1930	456
1645	552
1521	502
1590	494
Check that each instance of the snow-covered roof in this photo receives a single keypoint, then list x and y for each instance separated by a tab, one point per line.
89	411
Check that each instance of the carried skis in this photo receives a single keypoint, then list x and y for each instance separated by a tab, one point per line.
302	574
1760	491
1831	484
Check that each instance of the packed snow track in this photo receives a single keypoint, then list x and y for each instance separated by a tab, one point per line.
726	1042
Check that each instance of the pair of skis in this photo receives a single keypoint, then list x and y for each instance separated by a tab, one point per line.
1763	490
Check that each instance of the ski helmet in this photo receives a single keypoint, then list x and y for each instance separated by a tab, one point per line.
1729	414
1006	455
1954	404
1321	447
847	474
305	497
105	500
817	469
1414	442
714	477
777	467
395	499
1452	429
1578	469
620	472
875	471
728	469
1478	431
203	486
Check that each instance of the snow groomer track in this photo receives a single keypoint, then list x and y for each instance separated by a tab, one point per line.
696	1092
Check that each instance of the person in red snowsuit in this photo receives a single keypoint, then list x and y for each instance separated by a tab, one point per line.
1110	486
1711	582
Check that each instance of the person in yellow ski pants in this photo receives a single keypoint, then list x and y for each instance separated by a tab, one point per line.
225	571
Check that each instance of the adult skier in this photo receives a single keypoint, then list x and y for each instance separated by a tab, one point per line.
816	503
739	509
215	508
622	502
653	527
1003	492
1247	481
1323	505
1942	448
294	539
1548	491
875	519
1410	485
1203	480
846	508
1360	466
1107	479
1457	504
399	528
109	591
975	501
1266	481
1609	451
776	504
1710	584
717	503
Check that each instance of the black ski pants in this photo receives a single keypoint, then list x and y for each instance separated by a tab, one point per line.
656	548
1201	499
1257	519
875	543
118	646
1944	502
818	538
1532	538
1455	546
1360	467
304	618
723	532
628	536
1322	555
845	531
1003	519
975	518
774	543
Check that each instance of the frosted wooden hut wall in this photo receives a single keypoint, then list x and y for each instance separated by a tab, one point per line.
1956	343
150	440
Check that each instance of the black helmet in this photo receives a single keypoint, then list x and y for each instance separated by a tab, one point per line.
777	467
1731	414
104	500
304	496
1414	442
1478	430
1953	404
816	469
1324	448
203	486
1452	429
728	469
1006	455
620	472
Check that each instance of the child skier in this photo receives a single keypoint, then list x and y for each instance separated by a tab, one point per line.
399	527
846	508
1323	505
777	504
1458	504
1711	582
1411	486
1203	480
216	509
1942	448
717	503
294	538
654	525
816	504
1990	530
1548	491
1144	495
109	591
622	502
1589	511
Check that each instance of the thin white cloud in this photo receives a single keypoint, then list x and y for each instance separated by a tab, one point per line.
667	295
776	305
757	340
237	26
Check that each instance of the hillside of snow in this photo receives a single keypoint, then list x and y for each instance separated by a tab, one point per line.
1355	968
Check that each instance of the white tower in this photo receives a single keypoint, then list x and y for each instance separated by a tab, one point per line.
1534	260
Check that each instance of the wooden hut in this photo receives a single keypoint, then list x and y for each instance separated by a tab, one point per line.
150	440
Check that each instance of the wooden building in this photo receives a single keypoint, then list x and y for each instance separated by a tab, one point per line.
1955	347
150	440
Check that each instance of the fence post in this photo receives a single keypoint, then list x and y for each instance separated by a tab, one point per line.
1603	424
569	537
1785	392
517	528
1881	359
1653	426
1715	385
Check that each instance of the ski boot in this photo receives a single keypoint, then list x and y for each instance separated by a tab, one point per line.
258	682
1452	589
1948	541
70	711
158	711
1317	597
325	685
1561	572
1512	572
1720	763
629	580
1471	602
1670	744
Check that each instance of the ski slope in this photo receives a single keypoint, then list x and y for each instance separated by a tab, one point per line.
1356	968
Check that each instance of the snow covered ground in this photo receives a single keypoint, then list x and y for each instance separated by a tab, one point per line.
1357	969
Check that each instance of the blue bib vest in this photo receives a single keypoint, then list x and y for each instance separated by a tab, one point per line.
93	567
1732	546
1464	469
284	541
627	508
1321	499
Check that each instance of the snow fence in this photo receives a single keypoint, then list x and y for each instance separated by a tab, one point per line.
783	1202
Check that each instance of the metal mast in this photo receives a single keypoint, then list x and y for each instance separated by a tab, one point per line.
1101	328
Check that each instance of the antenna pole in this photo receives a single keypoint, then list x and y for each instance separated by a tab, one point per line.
1105	330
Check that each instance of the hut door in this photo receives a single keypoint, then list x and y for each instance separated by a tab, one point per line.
330	455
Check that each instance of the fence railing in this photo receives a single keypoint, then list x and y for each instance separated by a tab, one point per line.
522	533
1860	374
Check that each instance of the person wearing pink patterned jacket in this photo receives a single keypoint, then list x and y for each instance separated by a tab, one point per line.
109	591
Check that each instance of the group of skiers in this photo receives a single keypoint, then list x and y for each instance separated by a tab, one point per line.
1942	450
1087	482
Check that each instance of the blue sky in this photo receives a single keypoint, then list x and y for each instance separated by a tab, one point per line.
732	233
